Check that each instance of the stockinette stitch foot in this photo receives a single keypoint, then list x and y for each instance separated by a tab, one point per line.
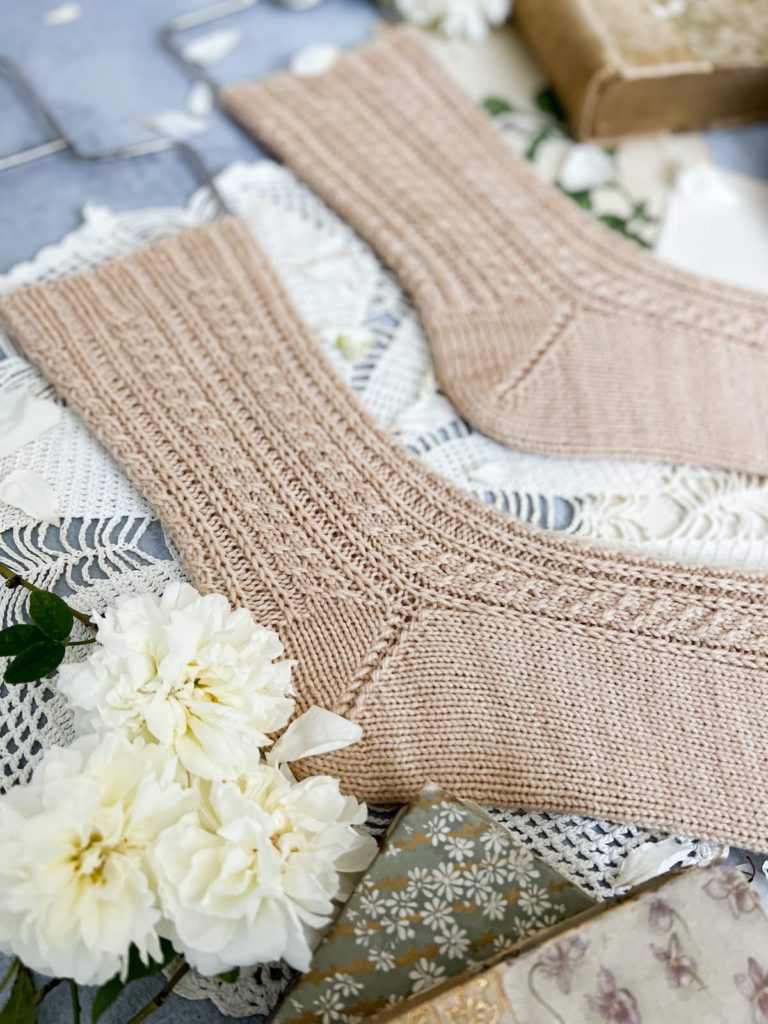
503	663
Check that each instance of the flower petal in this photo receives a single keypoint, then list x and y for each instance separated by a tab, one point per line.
649	860
317	731
27	490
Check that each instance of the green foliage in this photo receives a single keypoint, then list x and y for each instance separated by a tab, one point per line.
50	614
16	639
496	106
583	199
547	101
111	990
34	662
230	976
20	1008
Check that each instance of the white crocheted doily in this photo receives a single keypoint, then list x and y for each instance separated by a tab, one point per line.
110	543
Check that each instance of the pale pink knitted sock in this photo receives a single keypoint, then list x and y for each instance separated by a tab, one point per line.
506	664
549	332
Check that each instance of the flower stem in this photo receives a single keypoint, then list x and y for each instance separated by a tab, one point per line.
75	997
14	580
162	995
79	643
8	974
48	987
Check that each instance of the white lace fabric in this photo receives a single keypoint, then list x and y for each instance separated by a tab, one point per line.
110	543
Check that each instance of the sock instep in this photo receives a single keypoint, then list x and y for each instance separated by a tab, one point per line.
504	663
549	332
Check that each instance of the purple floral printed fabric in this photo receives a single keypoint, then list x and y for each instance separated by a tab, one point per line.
694	950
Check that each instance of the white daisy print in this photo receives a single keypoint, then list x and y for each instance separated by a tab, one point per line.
418	880
477	884
497	868
447	881
373	904
382	959
452	813
400	926
400	903
346	985
493	906
495	841
330	1006
364	933
459	849
425	974
535	901
522	866
453	943
437	831
436	913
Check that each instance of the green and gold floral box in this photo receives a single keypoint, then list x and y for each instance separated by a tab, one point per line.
449	889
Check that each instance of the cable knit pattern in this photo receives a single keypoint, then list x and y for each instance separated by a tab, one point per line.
550	333
504	663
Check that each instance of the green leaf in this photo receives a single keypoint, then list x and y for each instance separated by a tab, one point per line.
230	977
496	106
51	614
34	663
20	1008
584	199
105	996
617	223
16	639
547	101
537	140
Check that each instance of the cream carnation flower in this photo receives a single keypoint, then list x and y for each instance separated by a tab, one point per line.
187	672
464	19
76	886
254	875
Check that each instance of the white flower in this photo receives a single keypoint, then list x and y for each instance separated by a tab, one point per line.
382	959
346	985
494	906
330	1007
418	880
468	19
425	974
187	672
495	841
447	881
437	831
453	942
459	849
76	886
477	884
254	875
436	913
535	901
522	867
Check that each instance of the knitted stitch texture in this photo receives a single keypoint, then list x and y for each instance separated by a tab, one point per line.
549	331
506	664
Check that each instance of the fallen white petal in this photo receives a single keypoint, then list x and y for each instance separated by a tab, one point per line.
214	46
649	860
317	731
586	167
24	418
26	490
175	124
63	14
314	60
200	100
494	474
425	414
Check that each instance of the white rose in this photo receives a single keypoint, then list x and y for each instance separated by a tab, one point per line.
253	877
187	672
76	885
